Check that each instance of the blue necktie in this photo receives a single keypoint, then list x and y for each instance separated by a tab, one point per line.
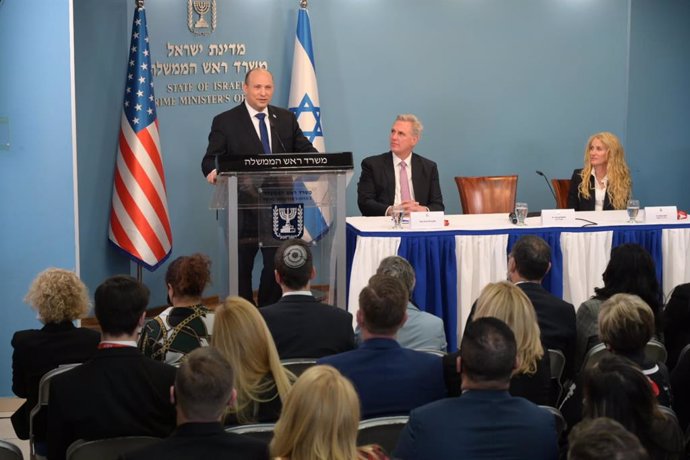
264	132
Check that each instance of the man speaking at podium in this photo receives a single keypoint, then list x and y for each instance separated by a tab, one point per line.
399	176
254	127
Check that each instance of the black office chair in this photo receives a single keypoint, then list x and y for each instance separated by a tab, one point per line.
298	365
9	451
107	449
383	431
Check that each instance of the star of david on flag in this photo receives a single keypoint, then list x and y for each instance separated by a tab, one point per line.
139	219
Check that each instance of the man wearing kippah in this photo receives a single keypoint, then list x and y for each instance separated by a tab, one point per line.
303	327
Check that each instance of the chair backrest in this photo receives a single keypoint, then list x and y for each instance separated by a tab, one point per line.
383	431
432	351
594	355
107	449
655	351
557	364
561	424
43	397
562	188
9	451
298	365
683	352
487	194
260	431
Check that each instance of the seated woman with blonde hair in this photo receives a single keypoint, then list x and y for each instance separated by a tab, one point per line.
262	383
507	302
320	420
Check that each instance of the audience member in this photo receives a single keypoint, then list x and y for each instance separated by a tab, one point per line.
630	270
261	382
203	391
119	392
528	263
486	421
188	323
680	385
320	420
389	379
301	326
615	388
603	438
422	330
59	297
676	321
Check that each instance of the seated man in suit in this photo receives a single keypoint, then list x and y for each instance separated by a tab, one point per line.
301	326
119	392
422	330
486	421
203	390
399	176
389	379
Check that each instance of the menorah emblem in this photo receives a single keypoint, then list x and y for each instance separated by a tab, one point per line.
287	214
283	216
201	8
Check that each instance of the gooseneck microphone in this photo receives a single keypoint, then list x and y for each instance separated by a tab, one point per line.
548	182
275	130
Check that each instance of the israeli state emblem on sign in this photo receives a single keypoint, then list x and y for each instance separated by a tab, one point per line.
201	16
288	221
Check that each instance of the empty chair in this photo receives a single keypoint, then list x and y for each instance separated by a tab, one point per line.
487	194
261	431
107	449
9	451
383	431
298	365
562	188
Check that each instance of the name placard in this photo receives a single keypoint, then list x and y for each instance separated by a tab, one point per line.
655	214
558	217
426	220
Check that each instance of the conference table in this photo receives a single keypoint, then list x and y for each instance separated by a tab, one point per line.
454	263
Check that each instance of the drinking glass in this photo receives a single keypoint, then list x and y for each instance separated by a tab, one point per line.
520	213
633	210
397	215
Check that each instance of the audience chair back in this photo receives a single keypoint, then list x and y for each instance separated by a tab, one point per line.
9	451
107	449
383	431
683	352
557	363
298	365
561	424
669	413
655	351
43	397
487	194
562	188
261	431
432	351
594	355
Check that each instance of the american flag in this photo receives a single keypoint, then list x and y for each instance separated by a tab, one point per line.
139	219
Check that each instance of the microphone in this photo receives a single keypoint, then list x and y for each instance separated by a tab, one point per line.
513	218
548	182
274	130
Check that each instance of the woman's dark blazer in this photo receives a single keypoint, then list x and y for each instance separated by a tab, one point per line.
578	203
36	351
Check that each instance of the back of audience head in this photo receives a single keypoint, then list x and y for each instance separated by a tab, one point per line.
382	305
507	302
188	276
319	419
203	386
603	438
294	264
488	353
626	323
531	256
398	268
58	295
631	270
240	334
616	388
120	302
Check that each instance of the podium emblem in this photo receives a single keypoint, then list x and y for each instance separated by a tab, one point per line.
196	16
288	221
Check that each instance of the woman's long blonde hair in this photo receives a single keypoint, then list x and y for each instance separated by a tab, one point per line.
619	187
507	302
242	337
319	419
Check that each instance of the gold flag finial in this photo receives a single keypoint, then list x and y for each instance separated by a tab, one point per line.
303	3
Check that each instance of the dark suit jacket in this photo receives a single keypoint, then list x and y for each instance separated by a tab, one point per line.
556	320
36	351
676	321
302	327
119	392
233	133
376	187
389	379
481	424
578	203
203	441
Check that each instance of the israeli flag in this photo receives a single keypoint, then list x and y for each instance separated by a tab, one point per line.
304	103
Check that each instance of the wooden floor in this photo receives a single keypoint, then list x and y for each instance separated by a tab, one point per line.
7	408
